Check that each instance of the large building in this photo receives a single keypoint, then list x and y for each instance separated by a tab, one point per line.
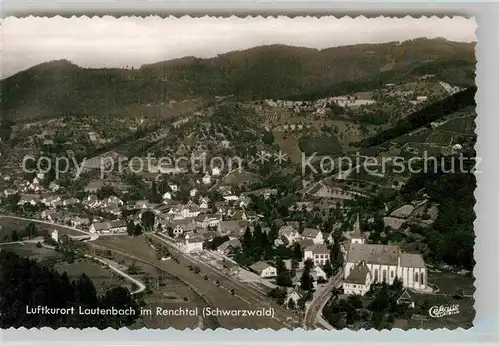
371	263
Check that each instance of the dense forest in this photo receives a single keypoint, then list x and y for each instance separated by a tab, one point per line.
26	283
451	237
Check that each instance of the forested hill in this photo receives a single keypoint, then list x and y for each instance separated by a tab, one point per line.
277	71
25	282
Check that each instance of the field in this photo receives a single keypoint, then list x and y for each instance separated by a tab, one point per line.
289	145
214	289
9	224
167	292
31	251
102	277
448	284
321	145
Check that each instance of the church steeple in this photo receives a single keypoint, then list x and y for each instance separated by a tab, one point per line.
356	236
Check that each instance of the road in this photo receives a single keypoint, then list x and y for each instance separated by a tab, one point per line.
314	309
140	285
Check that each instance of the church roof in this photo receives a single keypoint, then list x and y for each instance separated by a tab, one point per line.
412	260
373	253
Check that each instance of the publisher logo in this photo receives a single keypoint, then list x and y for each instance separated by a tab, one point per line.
444	310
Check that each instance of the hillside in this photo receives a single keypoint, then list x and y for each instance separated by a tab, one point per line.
62	88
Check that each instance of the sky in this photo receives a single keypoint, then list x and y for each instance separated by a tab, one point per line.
134	41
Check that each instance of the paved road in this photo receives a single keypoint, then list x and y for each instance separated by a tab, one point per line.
313	312
141	286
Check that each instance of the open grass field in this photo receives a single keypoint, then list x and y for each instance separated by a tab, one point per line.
102	277
448	283
288	144
9	224
30	250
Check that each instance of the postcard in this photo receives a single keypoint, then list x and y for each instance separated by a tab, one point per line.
259	173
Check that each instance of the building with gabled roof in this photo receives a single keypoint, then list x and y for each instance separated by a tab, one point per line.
385	262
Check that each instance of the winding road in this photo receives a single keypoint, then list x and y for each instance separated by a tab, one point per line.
314	309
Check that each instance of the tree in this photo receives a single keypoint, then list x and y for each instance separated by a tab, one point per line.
328	269
130	228
14	236
306	280
283	277
148	219
291	304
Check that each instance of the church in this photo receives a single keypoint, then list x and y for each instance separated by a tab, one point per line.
371	263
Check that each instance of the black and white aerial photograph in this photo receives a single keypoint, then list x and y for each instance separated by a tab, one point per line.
237	172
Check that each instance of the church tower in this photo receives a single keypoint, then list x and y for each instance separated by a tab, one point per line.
356	236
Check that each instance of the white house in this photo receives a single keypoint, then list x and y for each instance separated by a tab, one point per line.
107	227
358	281
290	233
192	243
318	253
320	273
55	235
193	192
207	179
314	234
295	295
263	269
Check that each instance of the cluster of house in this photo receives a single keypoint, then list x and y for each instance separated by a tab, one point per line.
320	106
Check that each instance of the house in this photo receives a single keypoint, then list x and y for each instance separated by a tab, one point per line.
192	243
94	186
54	187
318	253
116	226
263	269
320	273
206	179
358	281
291	234
206	220
405	299
70	201
92	201
167	196
52	201
295	295
28	199
232	227
79	221
193	192
51	215
227	248
173	187
9	192
314	234
113	201
55	236
180	227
